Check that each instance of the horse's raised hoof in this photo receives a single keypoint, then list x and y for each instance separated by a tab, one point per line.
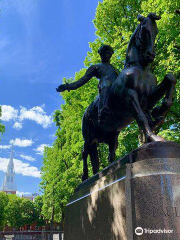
155	138
170	77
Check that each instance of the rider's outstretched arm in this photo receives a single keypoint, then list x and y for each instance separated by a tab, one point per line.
91	72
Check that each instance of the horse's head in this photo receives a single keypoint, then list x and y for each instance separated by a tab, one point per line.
145	37
141	46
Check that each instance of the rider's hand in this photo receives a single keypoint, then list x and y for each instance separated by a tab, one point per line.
62	88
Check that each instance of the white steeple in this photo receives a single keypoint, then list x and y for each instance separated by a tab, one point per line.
9	184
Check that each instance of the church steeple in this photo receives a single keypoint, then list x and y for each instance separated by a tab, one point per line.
9	185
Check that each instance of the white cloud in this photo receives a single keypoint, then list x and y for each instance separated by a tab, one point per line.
36	114
29	158
20	168
22	193
17	125
52	136
40	149
22	142
8	113
5	146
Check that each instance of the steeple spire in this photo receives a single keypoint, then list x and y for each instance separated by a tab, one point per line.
9	185
11	156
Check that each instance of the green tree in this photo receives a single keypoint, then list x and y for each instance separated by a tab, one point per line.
17	212
38	204
22	211
3	204
115	22
14	212
28	214
2	127
53	198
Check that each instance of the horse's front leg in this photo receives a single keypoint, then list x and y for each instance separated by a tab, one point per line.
85	166
133	104
167	86
94	157
112	141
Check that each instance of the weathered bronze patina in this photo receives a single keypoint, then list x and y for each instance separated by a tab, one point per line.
103	71
132	95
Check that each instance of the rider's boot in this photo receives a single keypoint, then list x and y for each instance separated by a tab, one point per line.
103	108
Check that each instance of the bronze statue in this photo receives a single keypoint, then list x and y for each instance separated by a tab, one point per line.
106	73
133	95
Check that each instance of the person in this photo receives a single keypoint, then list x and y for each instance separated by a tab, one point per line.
105	72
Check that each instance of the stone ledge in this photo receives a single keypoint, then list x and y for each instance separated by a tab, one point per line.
147	151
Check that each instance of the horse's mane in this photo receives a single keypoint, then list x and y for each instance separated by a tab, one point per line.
132	53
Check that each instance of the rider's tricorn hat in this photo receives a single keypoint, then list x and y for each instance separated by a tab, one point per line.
105	48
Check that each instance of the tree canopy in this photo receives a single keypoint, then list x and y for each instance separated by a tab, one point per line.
3	203
17	212
2	127
115	22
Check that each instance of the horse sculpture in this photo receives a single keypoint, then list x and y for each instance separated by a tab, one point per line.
133	95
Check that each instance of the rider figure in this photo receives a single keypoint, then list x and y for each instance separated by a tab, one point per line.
105	72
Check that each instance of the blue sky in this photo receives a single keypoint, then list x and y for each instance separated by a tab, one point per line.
40	43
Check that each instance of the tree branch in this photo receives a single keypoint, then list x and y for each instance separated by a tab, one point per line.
108	33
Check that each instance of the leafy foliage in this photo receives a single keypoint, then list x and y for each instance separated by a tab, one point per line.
3	203
2	127
115	22
13	212
28	212
17	212
38	217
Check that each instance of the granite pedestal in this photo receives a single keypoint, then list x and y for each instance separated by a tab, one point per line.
137	197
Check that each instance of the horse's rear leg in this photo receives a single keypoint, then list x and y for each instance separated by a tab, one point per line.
94	157
85	166
138	114
167	86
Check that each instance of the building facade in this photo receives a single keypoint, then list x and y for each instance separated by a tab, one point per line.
31	197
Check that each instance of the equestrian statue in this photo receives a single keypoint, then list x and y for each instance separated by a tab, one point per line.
126	96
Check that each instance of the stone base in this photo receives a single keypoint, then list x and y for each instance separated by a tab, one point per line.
140	192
